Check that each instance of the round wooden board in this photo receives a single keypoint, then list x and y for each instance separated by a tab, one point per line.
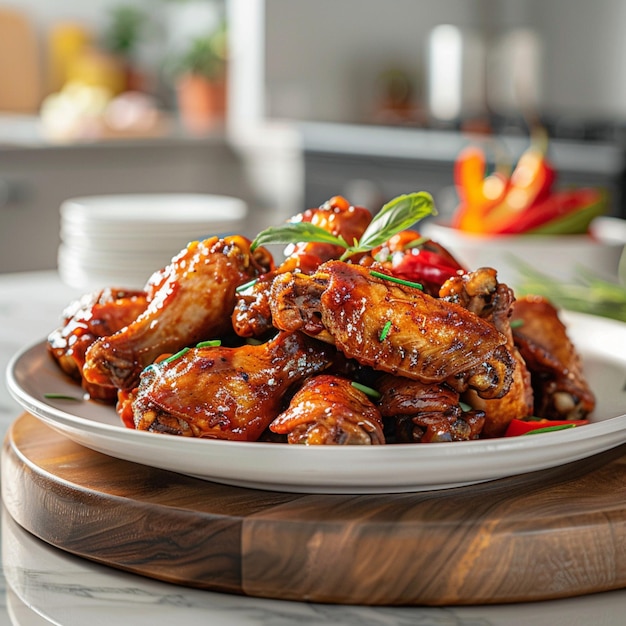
549	534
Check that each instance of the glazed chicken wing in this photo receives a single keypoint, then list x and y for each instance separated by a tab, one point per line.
252	316
224	393
561	390
481	293
328	409
418	412
193	300
394	328
98	314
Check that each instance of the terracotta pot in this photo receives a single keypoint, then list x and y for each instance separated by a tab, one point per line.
201	102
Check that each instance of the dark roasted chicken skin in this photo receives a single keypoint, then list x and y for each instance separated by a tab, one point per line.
560	388
224	393
193	300
427	339
97	314
482	294
329	410
417	412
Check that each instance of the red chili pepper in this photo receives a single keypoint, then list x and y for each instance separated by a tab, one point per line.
478	193
423	266
530	183
521	427
566	207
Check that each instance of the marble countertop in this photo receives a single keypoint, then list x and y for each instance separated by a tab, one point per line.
43	585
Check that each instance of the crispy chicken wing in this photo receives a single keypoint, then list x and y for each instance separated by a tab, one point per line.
328	409
481	293
98	314
418	412
193	300
561	390
394	328
224	393
252	316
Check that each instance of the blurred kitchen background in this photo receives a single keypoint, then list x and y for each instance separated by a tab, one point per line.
305	100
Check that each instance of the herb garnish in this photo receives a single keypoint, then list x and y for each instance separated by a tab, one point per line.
211	343
246	286
395	279
385	331
368	391
549	429
395	216
175	356
62	396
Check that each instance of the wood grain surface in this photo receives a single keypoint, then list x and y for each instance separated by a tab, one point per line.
549	534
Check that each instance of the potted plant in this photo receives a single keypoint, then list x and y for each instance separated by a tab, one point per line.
121	38
201	82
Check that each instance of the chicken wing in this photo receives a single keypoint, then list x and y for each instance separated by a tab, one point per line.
418	412
327	410
481	293
193	300
252	315
98	314
561	390
393	327
224	393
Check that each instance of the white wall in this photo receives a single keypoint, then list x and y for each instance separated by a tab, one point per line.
323	56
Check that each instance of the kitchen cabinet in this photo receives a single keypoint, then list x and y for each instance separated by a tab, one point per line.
36	178
371	164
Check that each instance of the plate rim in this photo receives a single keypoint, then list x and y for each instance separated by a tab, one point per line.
75	425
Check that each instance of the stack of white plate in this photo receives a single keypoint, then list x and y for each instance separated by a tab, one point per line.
121	240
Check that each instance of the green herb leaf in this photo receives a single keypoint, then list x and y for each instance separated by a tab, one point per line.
385	331
549	429
395	279
416	243
368	391
62	396
296	232
173	357
396	216
211	343
246	286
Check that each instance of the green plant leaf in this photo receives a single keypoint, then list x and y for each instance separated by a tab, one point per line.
397	215
296	232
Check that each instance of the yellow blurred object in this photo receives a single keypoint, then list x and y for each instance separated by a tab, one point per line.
66	42
98	69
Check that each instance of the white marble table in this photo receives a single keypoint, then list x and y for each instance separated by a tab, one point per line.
42	585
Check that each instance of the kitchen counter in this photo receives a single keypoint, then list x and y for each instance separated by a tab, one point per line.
43	585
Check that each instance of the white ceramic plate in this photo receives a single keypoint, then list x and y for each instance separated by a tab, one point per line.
341	469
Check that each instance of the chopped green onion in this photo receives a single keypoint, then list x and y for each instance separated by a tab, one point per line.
516	323
465	407
212	343
62	396
175	356
385	331
394	279
368	391
549	429
246	286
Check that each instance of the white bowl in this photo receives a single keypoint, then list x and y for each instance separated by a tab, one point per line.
558	256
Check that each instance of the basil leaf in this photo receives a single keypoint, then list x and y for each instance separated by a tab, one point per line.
396	216
296	232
